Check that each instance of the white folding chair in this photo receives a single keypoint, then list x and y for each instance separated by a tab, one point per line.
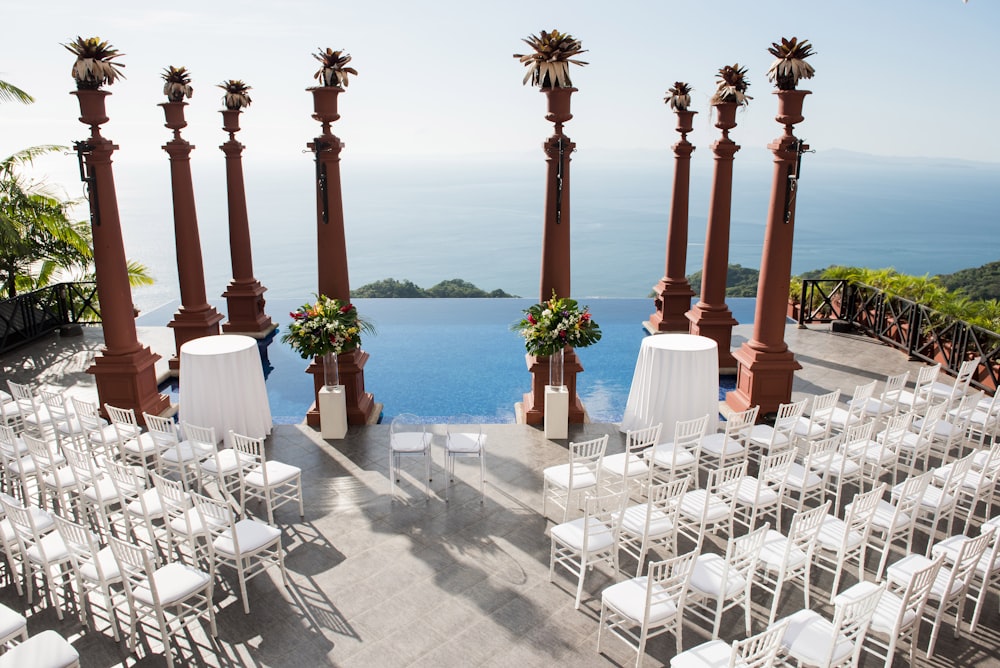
916	443
271	482
173	596
723	582
134	445
785	559
622	470
463	439
877	458
719	448
42	553
986	574
95	568
759	651
34	415
62	417
894	521
844	542
100	436
565	483
11	545
710	510
936	510
408	437
950	393
248	546
842	418
759	497
55	479
645	607
652	523
887	403
143	516
48	646
806	482
768	439
680	455
920	396
13	626
579	544
219	466
812	640
818	425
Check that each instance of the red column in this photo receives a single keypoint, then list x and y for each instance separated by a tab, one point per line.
244	295
711	316
673	293
331	247
766	366
196	317
555	270
124	371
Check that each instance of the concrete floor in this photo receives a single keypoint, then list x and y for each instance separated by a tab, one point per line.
420	582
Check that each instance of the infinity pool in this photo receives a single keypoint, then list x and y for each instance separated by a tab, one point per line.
442	357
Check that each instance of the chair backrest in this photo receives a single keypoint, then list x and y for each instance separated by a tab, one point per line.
851	619
788	416
8	439
822	409
463	423
664	500
862	511
82	464
217	517
82	545
774	468
125	422
893	388
22	522
23	394
909	496
588	454
136	565
819	457
761	650
84	407
915	596
251	452
173	498
128	481
804	528
928	423
56	404
956	475
924	382
688	434
602	517
40	453
667	582
742	552
739	425
408	433
163	430
199	435
896	430
964	569
640	439
964	376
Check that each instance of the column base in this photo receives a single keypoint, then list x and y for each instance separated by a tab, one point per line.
360	404
673	301
534	401
715	323
245	304
129	381
192	324
762	379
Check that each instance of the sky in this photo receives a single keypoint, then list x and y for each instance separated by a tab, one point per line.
437	79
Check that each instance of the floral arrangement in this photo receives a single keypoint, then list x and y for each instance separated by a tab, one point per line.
327	326
554	324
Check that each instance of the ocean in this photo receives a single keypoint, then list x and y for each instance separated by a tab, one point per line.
479	218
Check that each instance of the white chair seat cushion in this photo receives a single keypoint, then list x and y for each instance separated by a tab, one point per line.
875	408
109	567
809	637
805	428
51	548
20	447
599	536
193	521
251	534
772	552
932	499
410	441
765	435
718	444
70	426
41	650
629	598
708	573
842	418
633	521
902	571
693	506
711	654
748	491
103	436
560	476
40	416
949	547
799	479
615	465
174	582
11	622
884	514
62	476
182	452
664	455
872	452
43	522
465	442
102	492
277	474
831	534
837	465
153	504
25	465
229	462
143	444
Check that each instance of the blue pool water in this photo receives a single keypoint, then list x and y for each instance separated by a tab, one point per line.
441	357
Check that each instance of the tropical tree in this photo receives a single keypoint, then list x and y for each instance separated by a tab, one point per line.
11	93
548	62
94	66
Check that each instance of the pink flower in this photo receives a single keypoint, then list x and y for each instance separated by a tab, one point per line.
532	320
346	308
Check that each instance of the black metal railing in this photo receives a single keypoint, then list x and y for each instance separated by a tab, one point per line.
32	315
916	329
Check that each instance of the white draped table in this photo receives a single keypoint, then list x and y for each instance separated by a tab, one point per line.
676	378
222	386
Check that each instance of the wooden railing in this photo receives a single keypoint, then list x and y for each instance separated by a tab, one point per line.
919	331
32	315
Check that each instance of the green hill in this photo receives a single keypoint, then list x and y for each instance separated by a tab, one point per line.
451	288
979	283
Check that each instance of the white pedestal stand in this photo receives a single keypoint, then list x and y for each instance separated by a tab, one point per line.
556	411
332	411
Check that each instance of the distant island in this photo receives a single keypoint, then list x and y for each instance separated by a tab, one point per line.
389	288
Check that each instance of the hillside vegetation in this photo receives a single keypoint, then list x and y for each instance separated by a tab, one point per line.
451	289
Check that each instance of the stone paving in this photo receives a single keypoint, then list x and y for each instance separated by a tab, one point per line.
410	581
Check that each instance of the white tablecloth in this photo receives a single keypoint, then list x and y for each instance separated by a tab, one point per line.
676	378
222	386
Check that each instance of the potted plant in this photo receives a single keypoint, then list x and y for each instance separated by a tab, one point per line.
732	85
333	72
548	63
236	97
94	64
176	83
790	65
549	326
325	329
679	96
